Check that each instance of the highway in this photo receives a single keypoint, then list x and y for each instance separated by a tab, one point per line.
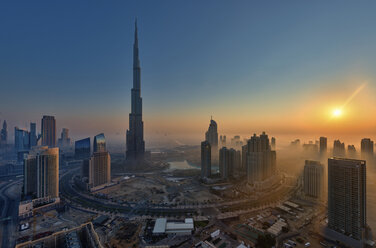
9	208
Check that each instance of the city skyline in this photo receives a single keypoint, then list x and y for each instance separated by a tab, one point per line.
302	93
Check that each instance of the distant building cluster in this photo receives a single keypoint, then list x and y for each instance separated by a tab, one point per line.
256	159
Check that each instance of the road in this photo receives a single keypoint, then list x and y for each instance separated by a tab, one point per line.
9	202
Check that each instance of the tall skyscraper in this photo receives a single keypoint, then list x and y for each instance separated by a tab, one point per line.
82	149
229	162
366	148
4	133
273	145
339	149
99	144
64	139
48	131
323	145
205	159
21	139
100	163
211	135
313	178
224	163
48	173
33	134
347	209
135	133
261	160
351	151
30	186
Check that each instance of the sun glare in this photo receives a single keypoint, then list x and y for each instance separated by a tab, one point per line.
337	112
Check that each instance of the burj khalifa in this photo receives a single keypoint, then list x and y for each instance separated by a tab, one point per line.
135	133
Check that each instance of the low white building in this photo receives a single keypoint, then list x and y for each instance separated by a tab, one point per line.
182	228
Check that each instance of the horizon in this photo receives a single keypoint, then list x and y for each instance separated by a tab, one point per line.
245	77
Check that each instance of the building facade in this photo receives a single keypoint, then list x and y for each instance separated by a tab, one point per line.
205	159
347	209
82	149
260	159
48	131
313	179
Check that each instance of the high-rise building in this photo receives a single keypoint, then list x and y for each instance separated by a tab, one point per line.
224	163
33	134
31	162
347	207
366	148
21	139
82	149
99	144
261	160
323	145
351	151
64	140
41	172
205	159
48	131
211	136
339	149
135	133
273	145
100	163
4	133
313	178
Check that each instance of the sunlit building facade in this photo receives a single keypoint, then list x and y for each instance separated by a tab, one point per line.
313	179
347	208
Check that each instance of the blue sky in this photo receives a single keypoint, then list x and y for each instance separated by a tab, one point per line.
244	62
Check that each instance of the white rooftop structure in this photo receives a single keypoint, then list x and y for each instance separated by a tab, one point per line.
162	226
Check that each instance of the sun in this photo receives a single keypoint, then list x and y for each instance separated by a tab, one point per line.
337	112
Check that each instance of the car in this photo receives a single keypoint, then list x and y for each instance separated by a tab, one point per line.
308	244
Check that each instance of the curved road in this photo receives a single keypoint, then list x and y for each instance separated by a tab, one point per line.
9	205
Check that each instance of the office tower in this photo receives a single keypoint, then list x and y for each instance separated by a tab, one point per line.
224	163
99	144
323	145
82	149
135	133
351	151
347	197
205	159
30	170
4	133
100	163
211	136
339	149
48	131
229	162
21	139
261	160
273	145
366	148
311	147
33	134
64	140
313	178
48	172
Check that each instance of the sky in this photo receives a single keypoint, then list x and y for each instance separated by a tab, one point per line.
278	66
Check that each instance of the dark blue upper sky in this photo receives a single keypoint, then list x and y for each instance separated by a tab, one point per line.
73	59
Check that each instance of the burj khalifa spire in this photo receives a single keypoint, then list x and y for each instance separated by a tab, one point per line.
135	133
